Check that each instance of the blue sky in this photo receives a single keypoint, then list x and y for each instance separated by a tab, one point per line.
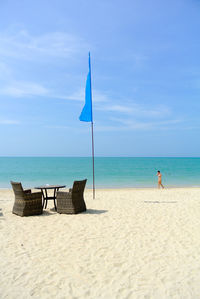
145	58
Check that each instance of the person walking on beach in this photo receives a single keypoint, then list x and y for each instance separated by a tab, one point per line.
159	179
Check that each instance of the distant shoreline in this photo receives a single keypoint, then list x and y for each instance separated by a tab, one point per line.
125	188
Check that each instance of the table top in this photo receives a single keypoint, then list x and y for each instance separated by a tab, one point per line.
50	186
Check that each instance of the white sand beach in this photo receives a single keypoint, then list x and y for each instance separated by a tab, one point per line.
131	243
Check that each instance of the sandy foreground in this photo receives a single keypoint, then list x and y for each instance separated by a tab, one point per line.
131	243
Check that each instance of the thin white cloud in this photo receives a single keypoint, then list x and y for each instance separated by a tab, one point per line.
105	102
79	95
137	126
9	122
130	125
22	44
99	96
136	110
20	89
116	108
59	127
24	89
131	122
102	102
76	96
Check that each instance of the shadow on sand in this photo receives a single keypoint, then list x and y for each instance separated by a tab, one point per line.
1	214
89	211
160	201
48	212
92	211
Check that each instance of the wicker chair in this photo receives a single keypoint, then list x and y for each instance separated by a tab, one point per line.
72	202
26	203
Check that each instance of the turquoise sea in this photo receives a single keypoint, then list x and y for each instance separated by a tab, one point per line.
109	172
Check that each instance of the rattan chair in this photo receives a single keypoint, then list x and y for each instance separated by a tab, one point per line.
72	202
26	203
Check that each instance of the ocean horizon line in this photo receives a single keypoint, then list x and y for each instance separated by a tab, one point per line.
151	157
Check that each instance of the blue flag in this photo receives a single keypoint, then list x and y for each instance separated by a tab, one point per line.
86	114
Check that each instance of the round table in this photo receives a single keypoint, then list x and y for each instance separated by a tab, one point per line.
45	196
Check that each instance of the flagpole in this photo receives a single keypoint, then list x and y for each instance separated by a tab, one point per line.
87	115
92	129
93	160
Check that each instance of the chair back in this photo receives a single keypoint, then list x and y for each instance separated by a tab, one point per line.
78	189
18	189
